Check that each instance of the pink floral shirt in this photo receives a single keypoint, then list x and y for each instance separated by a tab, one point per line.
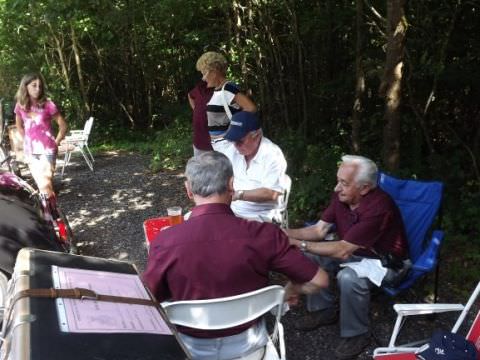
37	122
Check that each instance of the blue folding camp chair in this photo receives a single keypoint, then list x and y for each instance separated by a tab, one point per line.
419	203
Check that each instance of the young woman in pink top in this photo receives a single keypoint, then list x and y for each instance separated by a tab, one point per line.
34	115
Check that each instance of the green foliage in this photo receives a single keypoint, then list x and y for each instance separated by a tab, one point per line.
172	146
121	61
126	140
461	222
460	262
312	168
130	64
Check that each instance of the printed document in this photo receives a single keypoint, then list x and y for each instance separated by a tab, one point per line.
91	316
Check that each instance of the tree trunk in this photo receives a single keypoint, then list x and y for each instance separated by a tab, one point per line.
238	27
391	85
280	70
300	59
275	87
106	79
61	56
78	64
359	79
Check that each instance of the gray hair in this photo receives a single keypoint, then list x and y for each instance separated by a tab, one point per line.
367	171
209	173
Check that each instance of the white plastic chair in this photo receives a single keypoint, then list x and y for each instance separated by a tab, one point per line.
227	312
280	216
77	141
408	351
3	294
283	207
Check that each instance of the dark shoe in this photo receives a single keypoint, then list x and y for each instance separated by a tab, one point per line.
316	319
350	347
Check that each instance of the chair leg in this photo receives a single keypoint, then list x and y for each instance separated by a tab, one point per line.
281	342
89	153
66	159
69	157
435	289
87	160
396	330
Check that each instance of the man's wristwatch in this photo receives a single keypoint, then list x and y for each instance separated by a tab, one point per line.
240	194
303	246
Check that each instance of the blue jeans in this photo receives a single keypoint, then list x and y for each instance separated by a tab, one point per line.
228	347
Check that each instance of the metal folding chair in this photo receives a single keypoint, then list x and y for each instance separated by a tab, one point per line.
77	141
405	352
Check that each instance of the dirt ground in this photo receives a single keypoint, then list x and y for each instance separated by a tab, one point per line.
106	210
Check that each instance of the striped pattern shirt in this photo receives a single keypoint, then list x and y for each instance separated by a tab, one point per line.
218	120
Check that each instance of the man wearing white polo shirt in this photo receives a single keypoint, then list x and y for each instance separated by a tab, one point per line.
259	169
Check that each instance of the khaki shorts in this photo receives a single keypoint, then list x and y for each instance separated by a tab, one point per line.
42	167
50	158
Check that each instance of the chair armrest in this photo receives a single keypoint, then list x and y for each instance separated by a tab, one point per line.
76	132
79	135
422	309
72	139
416	309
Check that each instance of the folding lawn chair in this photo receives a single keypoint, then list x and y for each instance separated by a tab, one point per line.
419	203
227	312
406	352
77	141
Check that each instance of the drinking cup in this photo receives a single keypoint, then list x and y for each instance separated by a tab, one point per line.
175	215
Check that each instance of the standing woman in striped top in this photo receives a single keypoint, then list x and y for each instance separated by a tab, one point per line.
226	99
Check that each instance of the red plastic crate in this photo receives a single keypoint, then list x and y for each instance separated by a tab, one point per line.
151	227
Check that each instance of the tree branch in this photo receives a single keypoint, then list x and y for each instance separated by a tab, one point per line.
374	11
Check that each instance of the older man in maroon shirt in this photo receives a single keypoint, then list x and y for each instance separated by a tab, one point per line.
370	229
215	254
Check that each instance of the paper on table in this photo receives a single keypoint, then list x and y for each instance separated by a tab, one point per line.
90	316
371	269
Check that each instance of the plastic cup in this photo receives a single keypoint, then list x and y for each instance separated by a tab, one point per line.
175	215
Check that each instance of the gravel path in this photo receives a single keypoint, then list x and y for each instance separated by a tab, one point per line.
106	210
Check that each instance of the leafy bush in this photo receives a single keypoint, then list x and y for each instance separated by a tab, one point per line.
172	146
122	139
313	169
